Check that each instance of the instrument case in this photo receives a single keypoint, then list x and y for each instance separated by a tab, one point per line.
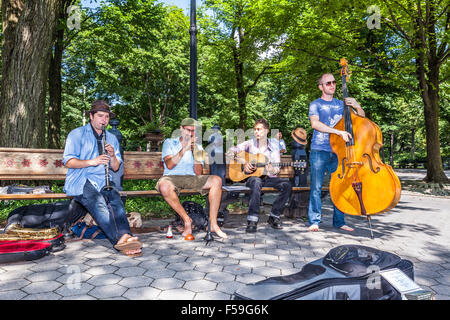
16	235
15	251
348	272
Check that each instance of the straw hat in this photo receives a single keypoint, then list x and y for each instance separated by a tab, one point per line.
299	135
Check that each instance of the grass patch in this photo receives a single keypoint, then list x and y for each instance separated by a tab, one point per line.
153	207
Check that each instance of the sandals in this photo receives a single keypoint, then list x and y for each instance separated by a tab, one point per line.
127	246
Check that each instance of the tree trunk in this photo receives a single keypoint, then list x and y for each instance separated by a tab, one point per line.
391	156
28	28
435	170
55	81
239	75
427	72
413	146
55	91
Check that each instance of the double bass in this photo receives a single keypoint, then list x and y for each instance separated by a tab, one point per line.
362	184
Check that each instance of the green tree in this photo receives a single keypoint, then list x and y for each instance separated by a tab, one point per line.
136	56
412	40
28	29
240	51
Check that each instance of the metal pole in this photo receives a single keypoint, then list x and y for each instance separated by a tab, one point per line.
193	59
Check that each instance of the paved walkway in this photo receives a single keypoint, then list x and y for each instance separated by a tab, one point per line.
418	229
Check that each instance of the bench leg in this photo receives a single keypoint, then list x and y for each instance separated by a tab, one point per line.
298	206
227	198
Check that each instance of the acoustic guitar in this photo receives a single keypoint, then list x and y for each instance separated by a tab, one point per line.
259	160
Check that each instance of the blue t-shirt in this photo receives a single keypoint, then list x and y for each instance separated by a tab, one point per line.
329	112
185	166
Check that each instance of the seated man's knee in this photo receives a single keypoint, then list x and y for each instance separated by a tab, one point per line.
165	188
215	181
254	182
286	185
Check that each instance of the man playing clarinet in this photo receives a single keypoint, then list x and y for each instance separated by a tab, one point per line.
89	153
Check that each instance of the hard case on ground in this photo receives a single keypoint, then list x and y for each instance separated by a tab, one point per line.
348	272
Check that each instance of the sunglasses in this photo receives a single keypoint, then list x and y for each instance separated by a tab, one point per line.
328	83
189	130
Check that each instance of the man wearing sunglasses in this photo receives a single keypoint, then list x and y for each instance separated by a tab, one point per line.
324	113
183	168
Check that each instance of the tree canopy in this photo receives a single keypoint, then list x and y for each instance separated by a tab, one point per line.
256	58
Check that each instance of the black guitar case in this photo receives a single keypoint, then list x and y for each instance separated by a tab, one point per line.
347	272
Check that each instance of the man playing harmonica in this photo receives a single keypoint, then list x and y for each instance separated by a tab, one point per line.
86	157
183	168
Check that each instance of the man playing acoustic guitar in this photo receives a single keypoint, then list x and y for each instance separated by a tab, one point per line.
261	145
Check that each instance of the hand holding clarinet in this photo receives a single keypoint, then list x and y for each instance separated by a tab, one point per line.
108	152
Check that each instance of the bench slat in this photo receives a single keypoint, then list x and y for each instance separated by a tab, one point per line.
133	194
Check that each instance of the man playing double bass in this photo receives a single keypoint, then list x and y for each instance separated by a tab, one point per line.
324	113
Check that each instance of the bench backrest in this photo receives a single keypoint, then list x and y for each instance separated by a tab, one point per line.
46	164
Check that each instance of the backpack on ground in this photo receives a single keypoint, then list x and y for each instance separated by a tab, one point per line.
348	272
87	228
197	213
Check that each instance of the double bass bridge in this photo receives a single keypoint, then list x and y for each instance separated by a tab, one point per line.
353	164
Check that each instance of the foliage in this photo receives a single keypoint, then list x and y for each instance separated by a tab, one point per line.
135	54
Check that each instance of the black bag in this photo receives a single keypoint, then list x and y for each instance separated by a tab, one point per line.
347	272
196	212
47	215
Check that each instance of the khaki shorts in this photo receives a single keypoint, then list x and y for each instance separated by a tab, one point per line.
185	182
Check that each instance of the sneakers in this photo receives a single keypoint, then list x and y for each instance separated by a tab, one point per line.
251	226
274	222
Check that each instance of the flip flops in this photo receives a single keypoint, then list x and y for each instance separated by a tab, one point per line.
128	246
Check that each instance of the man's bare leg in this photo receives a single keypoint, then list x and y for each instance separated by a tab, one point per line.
214	184
167	190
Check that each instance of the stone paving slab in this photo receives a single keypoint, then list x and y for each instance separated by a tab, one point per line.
418	229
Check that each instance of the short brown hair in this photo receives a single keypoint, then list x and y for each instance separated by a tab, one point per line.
263	122
321	77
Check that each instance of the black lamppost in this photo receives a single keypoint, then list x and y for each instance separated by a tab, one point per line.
193	59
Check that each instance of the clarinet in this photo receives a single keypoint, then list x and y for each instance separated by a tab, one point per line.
107	184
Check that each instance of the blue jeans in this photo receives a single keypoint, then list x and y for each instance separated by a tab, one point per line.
255	184
321	161
107	209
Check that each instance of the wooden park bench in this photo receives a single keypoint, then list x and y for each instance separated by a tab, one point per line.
19	164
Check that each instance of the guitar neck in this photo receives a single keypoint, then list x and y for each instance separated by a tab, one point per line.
282	164
277	164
